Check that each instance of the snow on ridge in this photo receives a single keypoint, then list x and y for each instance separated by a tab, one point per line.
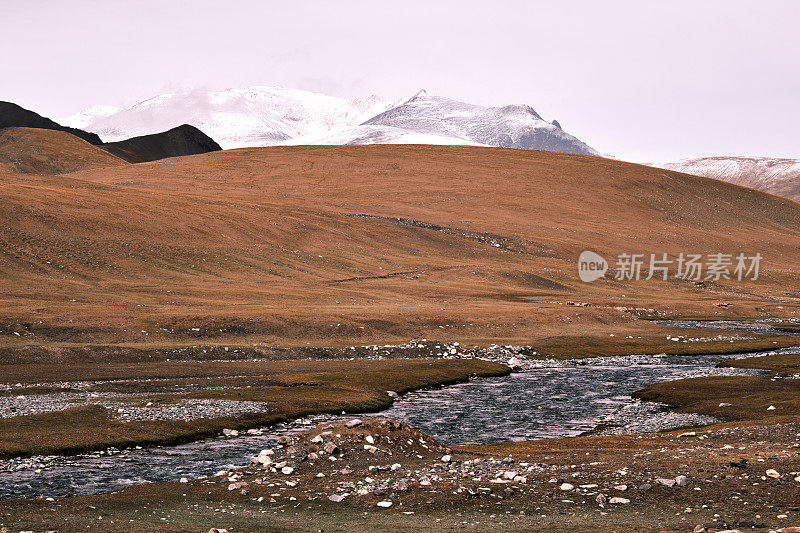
779	176
83	119
757	169
266	116
512	126
253	116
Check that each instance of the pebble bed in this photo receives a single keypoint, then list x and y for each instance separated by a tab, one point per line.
125	407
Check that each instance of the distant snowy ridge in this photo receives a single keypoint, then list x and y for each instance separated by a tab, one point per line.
779	176
513	126
89	116
268	116
255	116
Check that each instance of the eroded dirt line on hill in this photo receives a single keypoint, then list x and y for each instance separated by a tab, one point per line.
509	243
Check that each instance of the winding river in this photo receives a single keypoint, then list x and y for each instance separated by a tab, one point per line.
545	399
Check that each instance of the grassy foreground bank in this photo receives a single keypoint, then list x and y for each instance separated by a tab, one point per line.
327	387
771	398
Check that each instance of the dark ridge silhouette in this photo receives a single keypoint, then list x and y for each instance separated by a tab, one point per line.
183	140
14	116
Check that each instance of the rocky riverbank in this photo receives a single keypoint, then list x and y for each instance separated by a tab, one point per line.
367	474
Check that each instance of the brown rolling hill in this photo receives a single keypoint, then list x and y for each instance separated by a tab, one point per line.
334	245
46	151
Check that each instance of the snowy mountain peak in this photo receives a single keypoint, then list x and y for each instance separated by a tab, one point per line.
265	115
512	126
253	116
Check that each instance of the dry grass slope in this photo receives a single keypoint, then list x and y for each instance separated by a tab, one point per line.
42	151
334	245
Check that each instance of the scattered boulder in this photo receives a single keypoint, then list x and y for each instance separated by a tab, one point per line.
330	448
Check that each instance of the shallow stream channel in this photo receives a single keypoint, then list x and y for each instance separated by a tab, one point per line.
544	399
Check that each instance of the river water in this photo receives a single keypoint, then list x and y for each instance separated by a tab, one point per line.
545	399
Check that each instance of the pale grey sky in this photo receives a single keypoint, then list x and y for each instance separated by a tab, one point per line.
645	81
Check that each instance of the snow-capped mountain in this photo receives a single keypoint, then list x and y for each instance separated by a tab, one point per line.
89	116
266	116
513	126
780	177
255	116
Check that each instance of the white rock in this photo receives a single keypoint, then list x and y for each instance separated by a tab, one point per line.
230	432
287	470
774	474
666	482
385	504
681	481
396	466
446	458
370	448
184	480
317	439
336	497
353	423
566	486
771	408
370	439
617	499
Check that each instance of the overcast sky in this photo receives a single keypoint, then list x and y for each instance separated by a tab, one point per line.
645	81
